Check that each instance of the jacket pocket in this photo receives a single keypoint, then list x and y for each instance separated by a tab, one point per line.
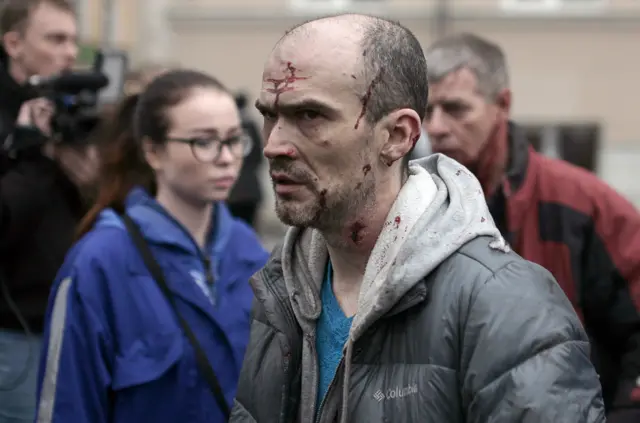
147	359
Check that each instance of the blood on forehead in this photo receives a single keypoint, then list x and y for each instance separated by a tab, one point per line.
285	83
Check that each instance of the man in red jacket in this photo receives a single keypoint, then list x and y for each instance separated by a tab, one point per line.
552	213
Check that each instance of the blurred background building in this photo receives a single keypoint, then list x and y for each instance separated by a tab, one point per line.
575	64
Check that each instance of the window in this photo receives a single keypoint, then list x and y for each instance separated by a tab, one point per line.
336	5
578	143
542	5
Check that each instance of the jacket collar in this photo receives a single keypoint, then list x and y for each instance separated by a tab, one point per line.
518	159
272	278
161	228
12	94
509	204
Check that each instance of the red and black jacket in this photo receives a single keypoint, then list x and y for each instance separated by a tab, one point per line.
585	233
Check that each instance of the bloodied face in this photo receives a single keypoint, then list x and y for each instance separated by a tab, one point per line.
322	152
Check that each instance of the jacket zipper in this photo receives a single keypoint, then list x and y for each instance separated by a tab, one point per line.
284	412
208	274
331	386
204	259
287	310
286	360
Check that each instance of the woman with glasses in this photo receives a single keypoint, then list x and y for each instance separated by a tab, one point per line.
129	342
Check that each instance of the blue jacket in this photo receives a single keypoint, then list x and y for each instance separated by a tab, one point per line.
113	349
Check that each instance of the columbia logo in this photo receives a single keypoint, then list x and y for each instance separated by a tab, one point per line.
396	392
379	396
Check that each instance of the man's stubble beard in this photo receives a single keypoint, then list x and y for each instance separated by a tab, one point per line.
329	210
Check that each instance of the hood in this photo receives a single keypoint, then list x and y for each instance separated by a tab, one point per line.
440	208
159	227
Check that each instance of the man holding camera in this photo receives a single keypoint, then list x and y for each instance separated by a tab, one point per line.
40	189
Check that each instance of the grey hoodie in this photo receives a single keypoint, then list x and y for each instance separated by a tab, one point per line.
440	208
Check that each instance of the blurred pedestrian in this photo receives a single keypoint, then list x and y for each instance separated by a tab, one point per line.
246	195
42	184
553	213
149	316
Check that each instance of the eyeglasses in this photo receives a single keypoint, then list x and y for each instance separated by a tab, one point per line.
208	149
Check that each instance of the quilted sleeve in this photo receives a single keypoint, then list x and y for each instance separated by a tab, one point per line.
525	355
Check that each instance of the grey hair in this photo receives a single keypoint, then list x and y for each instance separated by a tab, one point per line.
482	57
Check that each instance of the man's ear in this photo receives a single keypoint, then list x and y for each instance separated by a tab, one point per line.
11	42
403	127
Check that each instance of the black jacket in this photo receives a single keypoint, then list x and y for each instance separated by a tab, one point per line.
39	211
247	189
12	96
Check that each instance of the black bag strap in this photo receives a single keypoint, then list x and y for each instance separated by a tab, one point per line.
158	275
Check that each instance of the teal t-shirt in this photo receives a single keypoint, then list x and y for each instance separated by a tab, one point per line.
332	331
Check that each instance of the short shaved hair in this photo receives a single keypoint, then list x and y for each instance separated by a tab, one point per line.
15	14
394	64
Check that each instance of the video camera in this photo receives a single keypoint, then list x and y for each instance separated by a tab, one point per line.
78	97
74	95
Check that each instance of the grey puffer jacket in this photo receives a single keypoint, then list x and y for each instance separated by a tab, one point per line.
451	325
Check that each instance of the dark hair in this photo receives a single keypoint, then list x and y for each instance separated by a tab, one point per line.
165	91
393	54
121	163
15	14
120	136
